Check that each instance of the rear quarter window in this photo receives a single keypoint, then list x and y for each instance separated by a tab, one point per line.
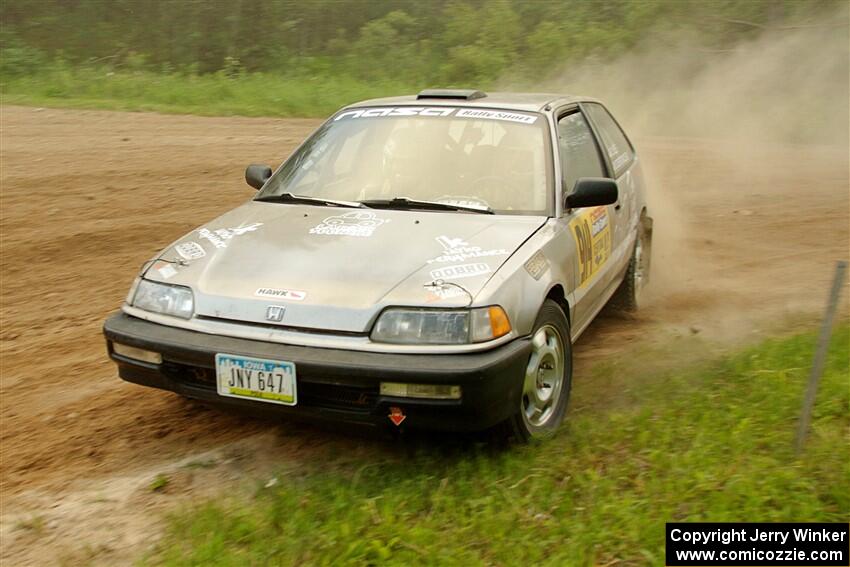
614	141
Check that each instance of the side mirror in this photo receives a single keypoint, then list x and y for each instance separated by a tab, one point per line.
592	192
256	175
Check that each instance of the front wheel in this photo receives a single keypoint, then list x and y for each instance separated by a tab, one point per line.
548	377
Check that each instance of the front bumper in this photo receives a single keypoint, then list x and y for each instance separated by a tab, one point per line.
332	384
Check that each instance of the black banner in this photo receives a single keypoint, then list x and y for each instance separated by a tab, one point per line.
743	544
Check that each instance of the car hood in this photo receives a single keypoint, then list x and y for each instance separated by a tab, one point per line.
334	268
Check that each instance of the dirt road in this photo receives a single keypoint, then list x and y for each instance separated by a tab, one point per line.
744	237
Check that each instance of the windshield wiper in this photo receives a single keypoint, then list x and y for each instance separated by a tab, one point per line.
405	203
290	198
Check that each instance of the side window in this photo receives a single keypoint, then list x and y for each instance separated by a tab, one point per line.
616	145
579	154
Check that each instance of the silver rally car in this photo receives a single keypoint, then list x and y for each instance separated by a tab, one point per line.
422	261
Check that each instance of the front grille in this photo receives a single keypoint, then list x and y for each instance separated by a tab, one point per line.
197	376
280	327
335	396
313	394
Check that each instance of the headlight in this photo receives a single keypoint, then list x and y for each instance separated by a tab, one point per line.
175	300
132	293
441	327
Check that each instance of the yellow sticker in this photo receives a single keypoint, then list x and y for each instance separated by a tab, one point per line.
245	393
592	232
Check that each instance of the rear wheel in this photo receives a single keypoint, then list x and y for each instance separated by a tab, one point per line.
627	296
548	377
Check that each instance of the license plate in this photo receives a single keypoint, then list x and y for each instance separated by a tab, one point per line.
258	379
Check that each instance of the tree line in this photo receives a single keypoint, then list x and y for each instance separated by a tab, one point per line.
434	41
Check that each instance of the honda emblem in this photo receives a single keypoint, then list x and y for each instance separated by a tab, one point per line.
275	313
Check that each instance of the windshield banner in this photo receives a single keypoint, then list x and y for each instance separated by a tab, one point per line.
475	113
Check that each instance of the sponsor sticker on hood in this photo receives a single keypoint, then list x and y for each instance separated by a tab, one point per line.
458	250
340	275
220	236
460	271
354	223
291	294
190	250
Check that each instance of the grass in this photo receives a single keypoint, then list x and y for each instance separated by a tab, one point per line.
211	95
159	483
712	442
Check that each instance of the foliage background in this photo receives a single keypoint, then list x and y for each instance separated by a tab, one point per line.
290	57
438	41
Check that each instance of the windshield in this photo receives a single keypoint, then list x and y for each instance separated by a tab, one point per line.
460	156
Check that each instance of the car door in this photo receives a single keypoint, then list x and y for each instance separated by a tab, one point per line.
580	156
619	159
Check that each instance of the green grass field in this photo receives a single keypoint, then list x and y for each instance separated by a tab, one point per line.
644	444
210	95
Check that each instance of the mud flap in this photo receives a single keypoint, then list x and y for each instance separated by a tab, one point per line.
646	227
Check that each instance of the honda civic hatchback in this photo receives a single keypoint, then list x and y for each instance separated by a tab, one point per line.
420	262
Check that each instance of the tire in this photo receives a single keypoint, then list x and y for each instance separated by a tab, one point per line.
627	297
541	409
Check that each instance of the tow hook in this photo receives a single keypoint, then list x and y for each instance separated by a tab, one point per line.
396	415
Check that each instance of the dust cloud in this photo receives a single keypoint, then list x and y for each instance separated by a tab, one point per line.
745	152
787	85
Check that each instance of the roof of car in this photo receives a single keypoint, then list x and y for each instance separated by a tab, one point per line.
529	102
